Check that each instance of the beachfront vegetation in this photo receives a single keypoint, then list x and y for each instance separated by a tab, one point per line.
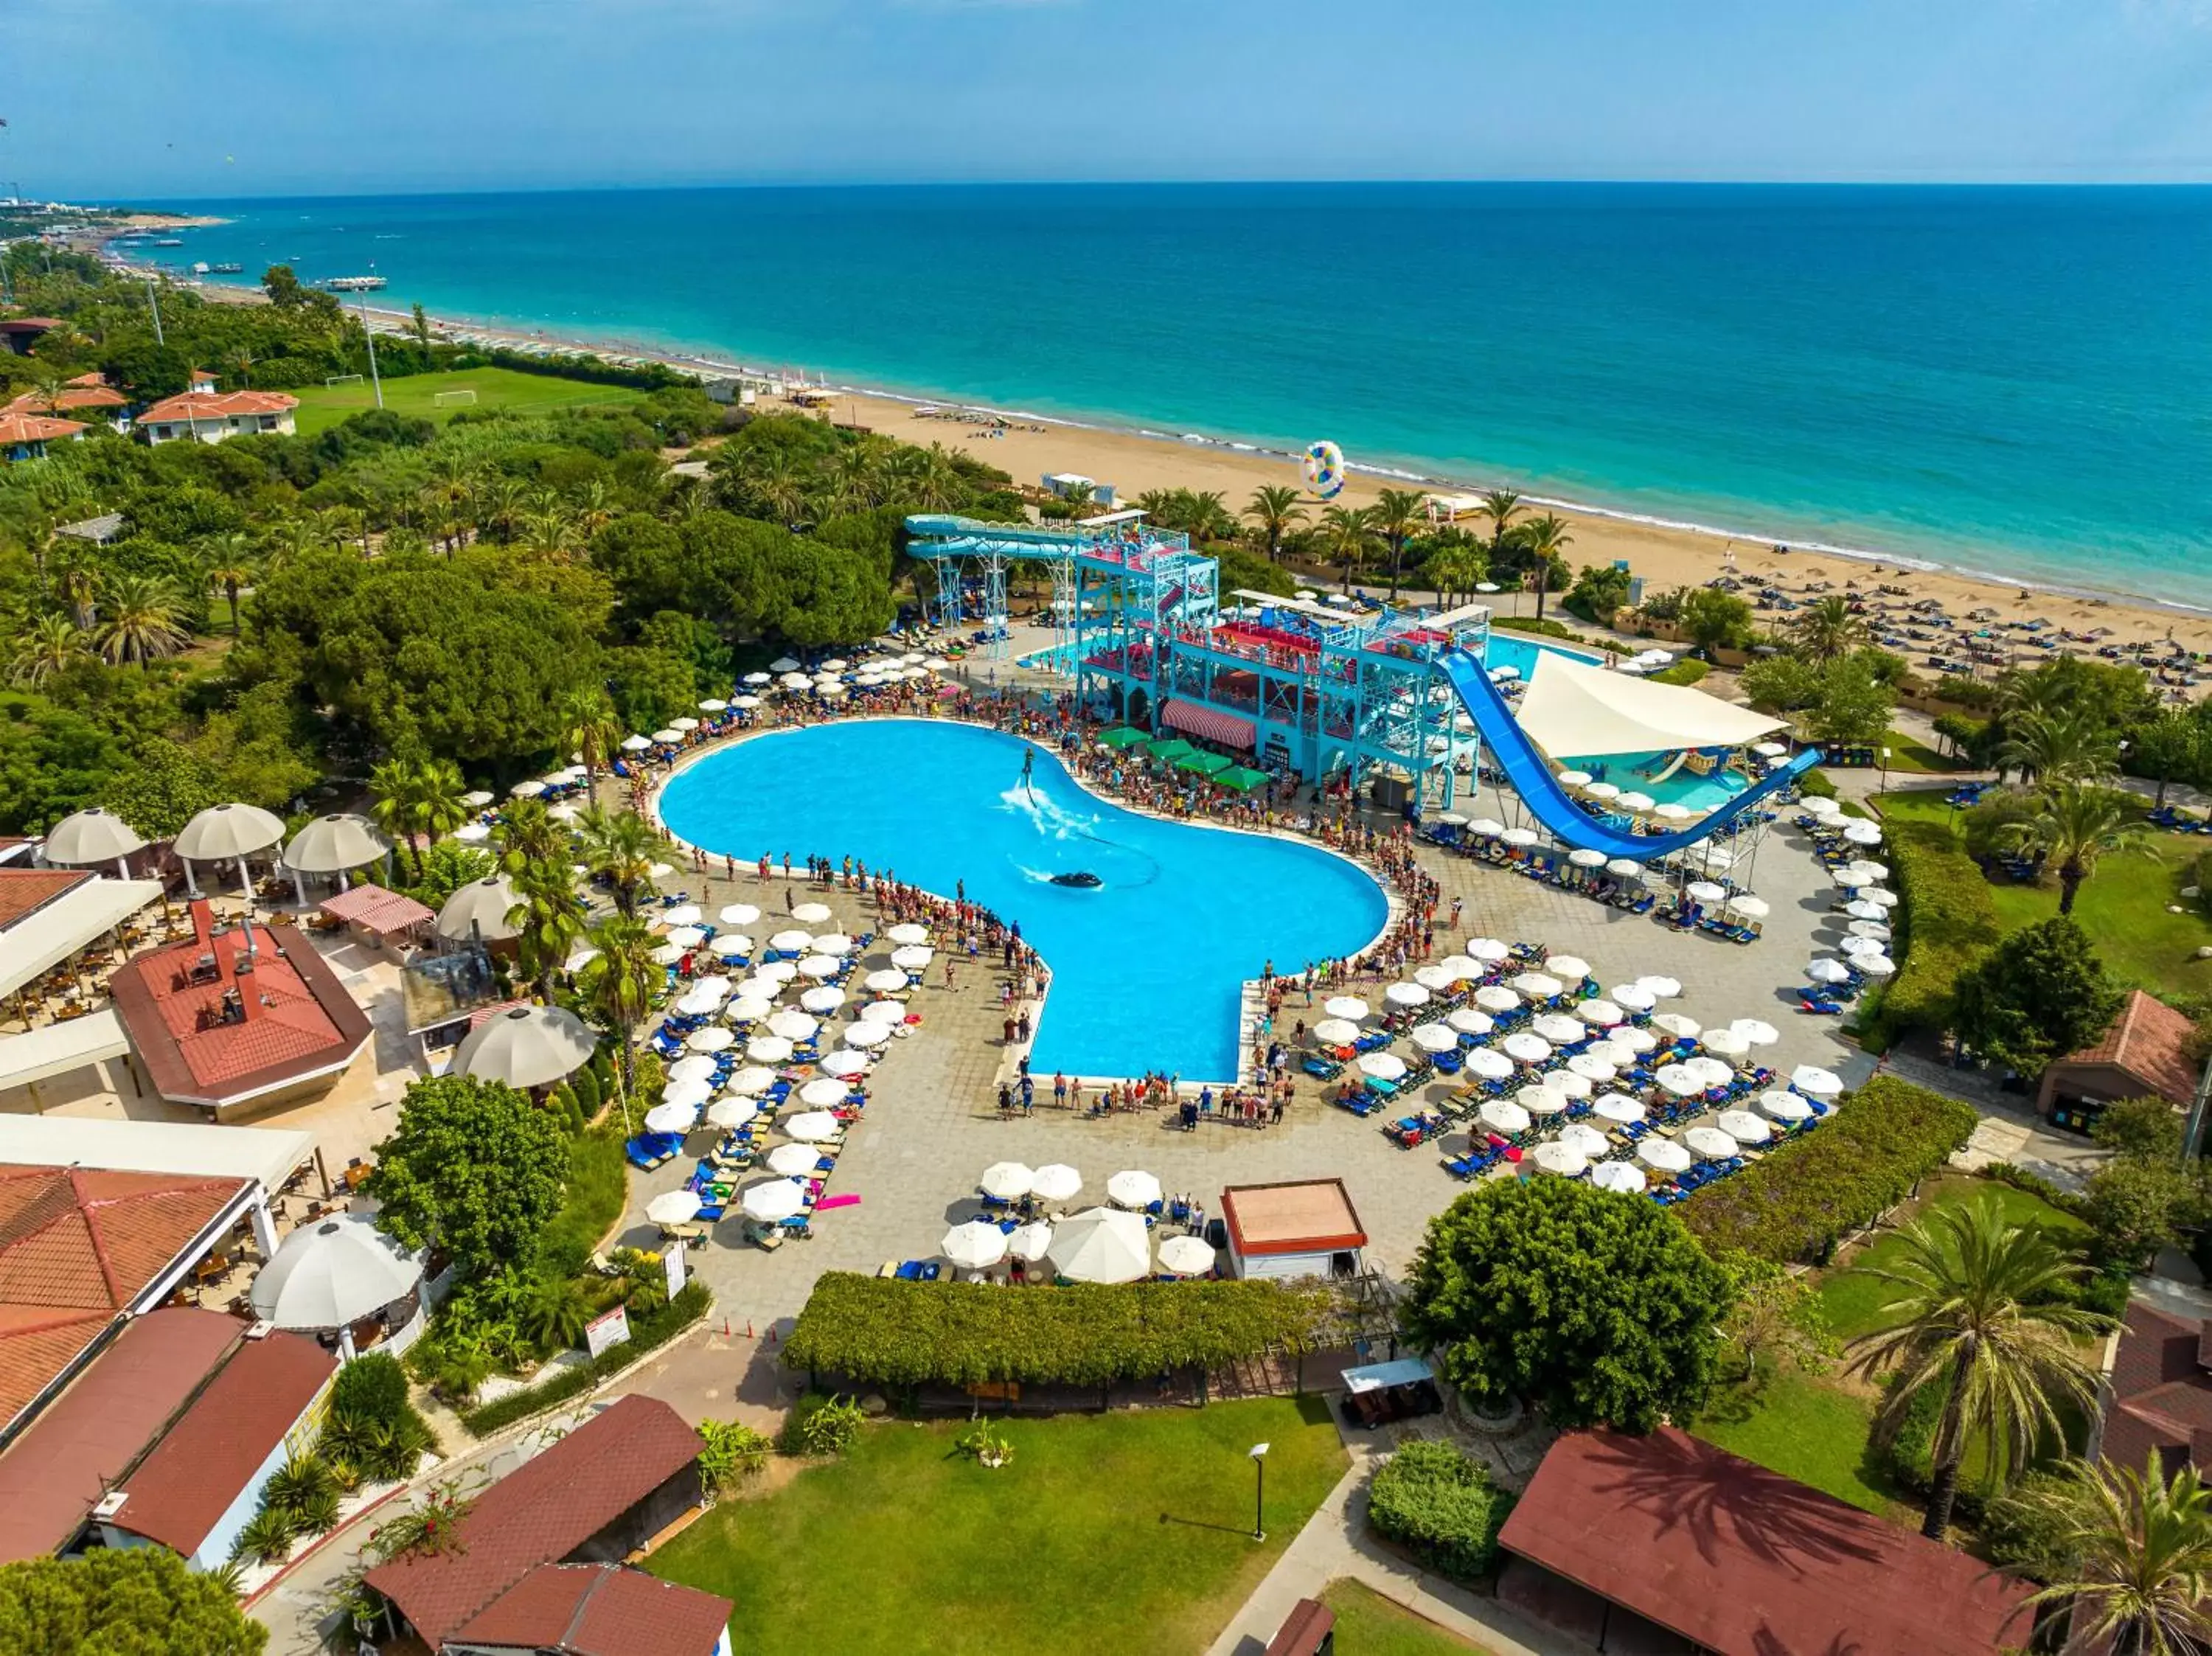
143	1599
1605	1311
1100	1525
2038	994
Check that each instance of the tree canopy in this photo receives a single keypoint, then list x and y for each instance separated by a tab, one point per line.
473	1166
139	1601
1599	1308
2040	993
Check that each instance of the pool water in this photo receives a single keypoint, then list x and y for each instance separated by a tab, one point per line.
1627	772
1147	968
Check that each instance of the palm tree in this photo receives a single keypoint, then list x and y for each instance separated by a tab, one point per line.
438	786
623	846
2074	825
1976	1311
1500	506
1274	511
1829	629
500	507
928	478
391	803
549	530
589	727
53	643
2140	1551
618	984
230	567
550	914
1398	514
595	508
1457	569
2053	746
528	834
142	623
1350	534
240	362
77	585
1542	539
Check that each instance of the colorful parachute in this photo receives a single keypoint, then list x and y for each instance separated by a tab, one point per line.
1325	469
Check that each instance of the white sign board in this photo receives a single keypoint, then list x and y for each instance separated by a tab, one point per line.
611	1329
671	1261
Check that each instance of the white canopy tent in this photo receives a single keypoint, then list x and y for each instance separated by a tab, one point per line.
1578	709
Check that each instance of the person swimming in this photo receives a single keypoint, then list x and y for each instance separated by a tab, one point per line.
1081	877
1028	771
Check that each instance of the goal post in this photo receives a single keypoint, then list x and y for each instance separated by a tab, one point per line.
336	379
452	400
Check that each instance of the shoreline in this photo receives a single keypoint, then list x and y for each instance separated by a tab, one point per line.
1666	552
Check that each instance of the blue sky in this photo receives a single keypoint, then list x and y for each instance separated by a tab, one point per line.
124	98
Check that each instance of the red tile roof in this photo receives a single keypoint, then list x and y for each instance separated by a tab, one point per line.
600	1610
88	1436
30	325
217	405
86	390
541	1513
24	890
2150	1041
301	1022
1743	1562
77	1248
190	1480
35	429
385	912
2161	1388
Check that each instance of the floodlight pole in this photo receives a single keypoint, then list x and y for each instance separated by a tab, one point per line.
154	306
370	334
1259	1491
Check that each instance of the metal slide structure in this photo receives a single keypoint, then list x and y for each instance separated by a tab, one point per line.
1530	774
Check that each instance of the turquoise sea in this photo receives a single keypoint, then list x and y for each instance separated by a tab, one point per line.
2011	380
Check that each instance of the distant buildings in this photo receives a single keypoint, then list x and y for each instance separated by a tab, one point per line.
18	334
24	436
2161	1402
203	414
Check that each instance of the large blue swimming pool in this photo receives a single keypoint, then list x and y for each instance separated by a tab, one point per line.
1147	968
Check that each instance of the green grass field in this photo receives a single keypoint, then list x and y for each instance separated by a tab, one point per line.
324	406
1107	1533
1907	753
2124	905
1368	1624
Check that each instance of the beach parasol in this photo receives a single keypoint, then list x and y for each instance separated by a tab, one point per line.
1055	1181
1560	1159
1664	1154
1502	1115
1663	987
812	1126
1673	1023
1489	1065
525	1046
1496	998
1406	994
1618	1106
882	1011
1724	1043
1822	969
1007	1180
1679	1079
752	1078
1568	1084
811	913
1335	1032
1570	968
1624	868
1634	996
1757	1031
1101	1245
1536	986
1382	1066
822	1093
1585	856
795	1160
820	965
1030	1242
884	980
1619	1177
908	933
1456	968
1708	1143
790	941
1133	1189
1488	950
1434	978
1436	1038
1558	1027
1814	1082
1781	1106
1584	1139
331	1273
731	1112
696	1067
866	1034
823	997
1469	1022
683	914
1743	1126
766	1049
1599	1014
751	1006
1348	1007
1187	1256
975	1246
482	909
1590	1067
730	945
1521	837
774	1199
1526	1049
913	957
845	1064
674	1207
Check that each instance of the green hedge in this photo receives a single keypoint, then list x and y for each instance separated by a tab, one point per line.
652	1330
882	1331
1945	920
1438	1502
1688	671
1796	1203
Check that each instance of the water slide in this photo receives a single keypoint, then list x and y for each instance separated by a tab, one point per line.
1530	774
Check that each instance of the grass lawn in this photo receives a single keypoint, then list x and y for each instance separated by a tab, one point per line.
324	406
1815	1427
1106	1533
1368	1624
1907	753
2122	906
596	1189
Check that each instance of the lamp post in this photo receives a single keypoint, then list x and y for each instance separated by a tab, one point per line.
1885	770
1259	1491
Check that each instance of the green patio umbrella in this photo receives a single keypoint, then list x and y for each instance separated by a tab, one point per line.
1242	779
1168	751
1202	764
1121	736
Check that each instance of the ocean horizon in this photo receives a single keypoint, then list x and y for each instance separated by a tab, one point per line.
2014	381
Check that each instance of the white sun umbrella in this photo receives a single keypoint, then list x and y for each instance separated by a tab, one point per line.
1568	1084
1030	1243
811	913
913	957
1679	1079
1822	969
1876	966
864	1033
773	1200
1489	828
975	1246
1814	1082
1540	1101
1862	833
1636	1041
1558	1027
1606	791
712	1038
1881	899
579	959
738	914
1456	968
1872	929
1782	1106
760	678
884	1012
1133	1189
697	1004
795	682
822	1093
1469	1022
690	1093
1708	1143
845	1064
475	799
1743	1126
1496	998
820	965
812	1126
1581	1136
1858	945
1664	1154
1585	856
1757	1031
683	914
696	1067
1609	1051
1704	891
1659	984
1750	908
1575	778
1526	1049
1624	868
1489	1065
525	1046
1382	1066
1436	1038
685	724
731	1112
1502	1115
673	1207
1007	1180
1406	994
333	1273
1348	1007
1599	1014
531	787
713	983
822	998
1671	812
671	1117
908	933
1570	968
1434	978
749	1008
1675	1023
1536	986
1866	873
1335	1032
1522	837
729	945
1634	996
1636	802
1711	1070
1187	1256
791	942
668	734
767	1049
472	833
714	704
1101	1245
1055	1181
884	980
832	942
1724	1043
795	1161
1618	1106
1619	1177
1557	1158
635	743
1590	1067
1488	950
752	1078
1821	805
686	937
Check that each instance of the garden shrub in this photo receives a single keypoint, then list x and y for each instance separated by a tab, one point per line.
1688	671
372	1390
823	1425
881	1332
1439	1503
1815	783
646	1333
1946	921
730	1452
1796	1203
2027	1527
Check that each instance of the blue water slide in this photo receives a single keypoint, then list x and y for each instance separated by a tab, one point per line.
1530	774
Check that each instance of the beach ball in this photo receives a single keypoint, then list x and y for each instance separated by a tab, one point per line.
1325	469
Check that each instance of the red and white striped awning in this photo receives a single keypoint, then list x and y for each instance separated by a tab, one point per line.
1208	723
